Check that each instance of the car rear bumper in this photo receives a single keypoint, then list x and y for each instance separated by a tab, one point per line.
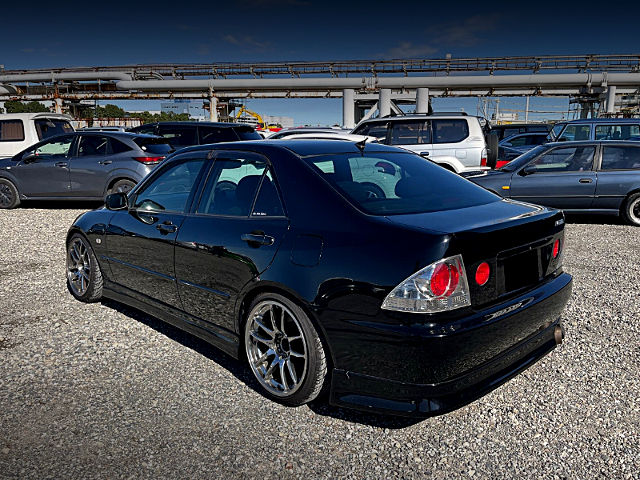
385	394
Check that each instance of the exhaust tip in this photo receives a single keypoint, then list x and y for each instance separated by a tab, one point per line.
558	334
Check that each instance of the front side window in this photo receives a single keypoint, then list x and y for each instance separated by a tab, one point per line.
377	129
620	158
617	132
575	132
566	159
410	133
449	131
47	128
170	189
397	183
58	147
92	146
232	184
11	131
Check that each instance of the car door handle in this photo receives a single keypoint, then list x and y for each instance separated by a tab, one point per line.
259	239
586	180
106	162
167	227
61	164
424	154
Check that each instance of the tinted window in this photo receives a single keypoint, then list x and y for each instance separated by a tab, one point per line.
566	159
523	159
557	128
170	190
575	132
620	158
507	132
517	141
410	133
215	135
118	147
397	183
247	133
268	203
232	184
179	136
146	130
11	131
48	128
449	131
154	145
92	146
616	132
377	129
537	128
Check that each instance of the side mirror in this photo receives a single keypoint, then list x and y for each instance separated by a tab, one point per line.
32	157
116	201
529	169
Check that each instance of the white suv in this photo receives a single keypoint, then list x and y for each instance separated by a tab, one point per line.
21	130
455	142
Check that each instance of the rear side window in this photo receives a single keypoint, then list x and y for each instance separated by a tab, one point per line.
616	132
378	130
620	158
118	147
410	133
216	135
449	131
146	130
247	133
49	127
575	132
179	136
154	145
92	145
11	131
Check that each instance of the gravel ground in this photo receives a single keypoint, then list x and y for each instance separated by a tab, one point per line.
104	391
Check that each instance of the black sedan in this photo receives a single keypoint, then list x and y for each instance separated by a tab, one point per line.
591	177
278	253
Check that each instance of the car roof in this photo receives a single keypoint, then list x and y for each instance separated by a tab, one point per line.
605	120
205	124
400	118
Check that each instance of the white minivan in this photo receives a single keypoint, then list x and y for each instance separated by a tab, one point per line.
21	130
455	142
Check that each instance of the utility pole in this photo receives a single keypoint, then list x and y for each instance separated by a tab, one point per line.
526	112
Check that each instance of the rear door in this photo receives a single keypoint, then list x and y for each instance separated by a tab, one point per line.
91	166
447	136
141	240
564	178
230	237
414	135
47	173
619	174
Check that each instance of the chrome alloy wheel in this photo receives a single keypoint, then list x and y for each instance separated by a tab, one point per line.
634	211
78	267
6	195
276	348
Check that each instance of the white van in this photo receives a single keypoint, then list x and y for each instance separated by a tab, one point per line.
21	130
456	142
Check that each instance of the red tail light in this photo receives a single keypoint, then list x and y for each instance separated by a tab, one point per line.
444	280
556	248
483	158
482	273
149	159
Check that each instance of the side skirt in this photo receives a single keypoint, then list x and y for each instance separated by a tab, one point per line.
220	338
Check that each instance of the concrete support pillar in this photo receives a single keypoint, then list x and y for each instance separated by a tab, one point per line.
422	100
348	108
611	98
384	105
57	105
213	108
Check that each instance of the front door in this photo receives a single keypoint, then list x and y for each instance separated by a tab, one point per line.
230	238
141	240
44	170
90	166
563	178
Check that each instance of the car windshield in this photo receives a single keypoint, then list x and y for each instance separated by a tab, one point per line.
523	159
397	183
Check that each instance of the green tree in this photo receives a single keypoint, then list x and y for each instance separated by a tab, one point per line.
163	117
110	111
16	106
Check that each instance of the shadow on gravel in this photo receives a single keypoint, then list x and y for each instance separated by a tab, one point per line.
593	219
61	204
242	372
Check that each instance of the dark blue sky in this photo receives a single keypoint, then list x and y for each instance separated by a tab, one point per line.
54	34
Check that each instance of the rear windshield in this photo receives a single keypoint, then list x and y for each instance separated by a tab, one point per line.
47	127
397	183
247	133
154	145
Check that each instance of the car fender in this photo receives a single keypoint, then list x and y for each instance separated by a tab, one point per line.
122	174
12	178
448	161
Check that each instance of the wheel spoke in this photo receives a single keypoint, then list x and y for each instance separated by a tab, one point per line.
268	331
272	318
75	250
292	372
263	358
269	373
282	378
282	322
257	337
296	354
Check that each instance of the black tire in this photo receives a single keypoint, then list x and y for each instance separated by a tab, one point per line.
283	376
373	191
492	150
84	277
631	210
124	186
9	196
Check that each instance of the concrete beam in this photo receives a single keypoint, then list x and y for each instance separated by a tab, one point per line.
384	104
348	108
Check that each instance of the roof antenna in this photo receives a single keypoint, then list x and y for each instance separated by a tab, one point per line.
361	144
